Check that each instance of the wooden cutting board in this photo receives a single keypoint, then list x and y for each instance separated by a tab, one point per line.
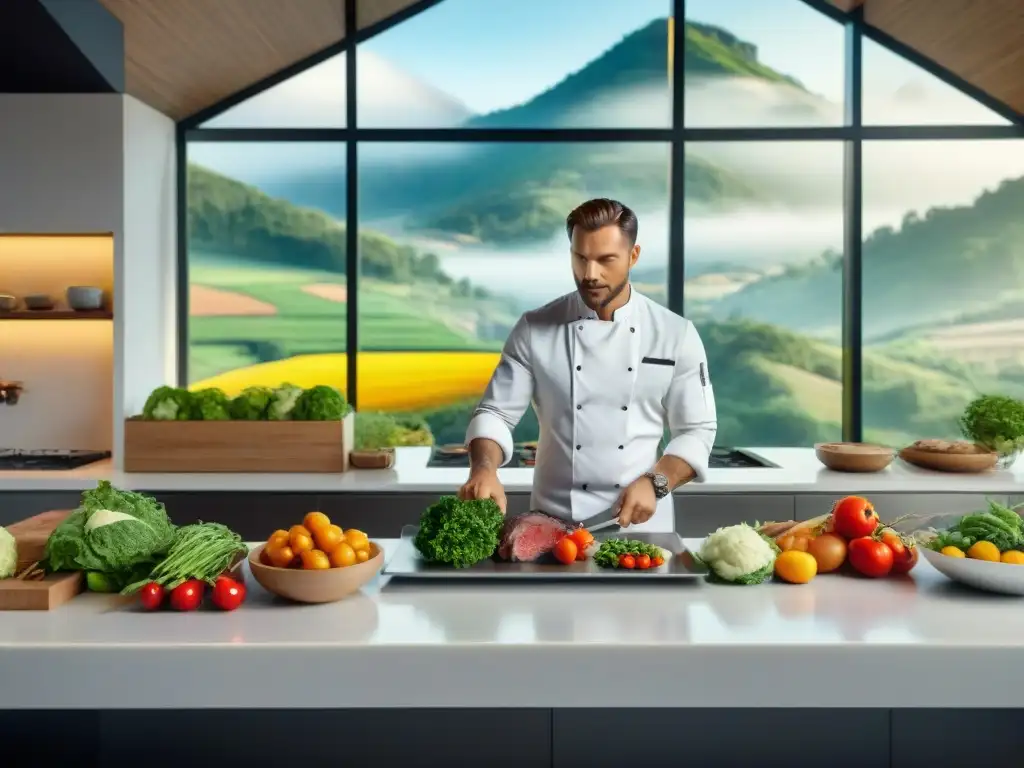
30	535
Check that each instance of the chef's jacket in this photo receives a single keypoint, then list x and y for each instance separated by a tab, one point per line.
604	392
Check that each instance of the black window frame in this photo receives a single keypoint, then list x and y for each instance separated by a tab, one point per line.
853	134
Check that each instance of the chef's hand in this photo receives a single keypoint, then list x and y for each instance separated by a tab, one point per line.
484	484
637	502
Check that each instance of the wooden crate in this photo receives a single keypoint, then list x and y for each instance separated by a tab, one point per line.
238	446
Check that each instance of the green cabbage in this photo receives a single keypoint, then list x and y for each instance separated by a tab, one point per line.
111	531
169	404
283	401
320	403
210	404
251	404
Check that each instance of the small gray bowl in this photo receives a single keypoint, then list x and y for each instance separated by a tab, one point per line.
8	303
38	301
84	297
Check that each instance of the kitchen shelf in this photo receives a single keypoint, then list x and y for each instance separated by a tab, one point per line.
58	314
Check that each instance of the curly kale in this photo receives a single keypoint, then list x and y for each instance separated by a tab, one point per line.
459	533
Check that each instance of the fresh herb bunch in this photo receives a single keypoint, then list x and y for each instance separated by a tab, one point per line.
995	421
459	533
607	555
200	551
999	524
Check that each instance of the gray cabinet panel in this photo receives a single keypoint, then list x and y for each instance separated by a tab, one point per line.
699	514
721	738
962	738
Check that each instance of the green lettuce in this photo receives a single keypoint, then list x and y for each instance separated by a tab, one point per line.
111	531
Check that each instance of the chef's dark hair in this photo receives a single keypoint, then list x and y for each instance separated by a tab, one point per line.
602	212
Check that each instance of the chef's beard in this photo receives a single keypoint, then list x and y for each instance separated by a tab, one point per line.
613	294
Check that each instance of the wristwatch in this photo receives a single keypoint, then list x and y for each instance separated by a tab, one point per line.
660	483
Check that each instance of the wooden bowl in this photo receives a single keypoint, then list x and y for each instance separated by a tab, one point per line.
854	457
383	458
327	586
980	460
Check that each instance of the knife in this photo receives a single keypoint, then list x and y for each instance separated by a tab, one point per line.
606	519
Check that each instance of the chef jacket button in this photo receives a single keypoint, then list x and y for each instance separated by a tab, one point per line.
579	367
625	408
584	486
630	369
621	447
580	327
616	485
632	330
578	447
578	407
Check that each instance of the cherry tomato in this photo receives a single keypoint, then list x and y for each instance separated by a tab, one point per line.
627	561
658	562
870	557
905	562
187	596
854	517
152	596
643	562
228	594
582	537
566	550
894	542
828	550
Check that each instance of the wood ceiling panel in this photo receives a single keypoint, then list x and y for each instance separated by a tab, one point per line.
981	41
184	55
370	12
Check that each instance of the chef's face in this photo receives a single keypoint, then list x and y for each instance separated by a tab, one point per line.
601	261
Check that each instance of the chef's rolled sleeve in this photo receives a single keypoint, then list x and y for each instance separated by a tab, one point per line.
690	406
508	393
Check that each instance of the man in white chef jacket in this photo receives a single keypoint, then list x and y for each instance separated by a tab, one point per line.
607	370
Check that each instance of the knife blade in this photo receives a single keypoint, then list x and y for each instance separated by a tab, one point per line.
606	519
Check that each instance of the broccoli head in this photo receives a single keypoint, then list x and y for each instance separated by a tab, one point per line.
283	401
251	404
168	404
320	403
210	405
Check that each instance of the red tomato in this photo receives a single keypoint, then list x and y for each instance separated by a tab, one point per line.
643	562
187	596
228	594
870	557
151	596
658	562
627	561
854	517
905	562
895	543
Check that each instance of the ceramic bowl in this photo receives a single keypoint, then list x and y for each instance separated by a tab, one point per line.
84	297
854	457
992	577
38	301
327	586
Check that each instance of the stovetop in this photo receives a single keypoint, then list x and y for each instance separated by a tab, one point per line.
48	459
524	455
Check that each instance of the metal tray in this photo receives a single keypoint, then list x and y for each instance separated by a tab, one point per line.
407	563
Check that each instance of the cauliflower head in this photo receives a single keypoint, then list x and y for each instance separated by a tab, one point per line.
738	553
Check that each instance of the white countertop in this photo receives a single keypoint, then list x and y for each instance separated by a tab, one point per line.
837	642
798	471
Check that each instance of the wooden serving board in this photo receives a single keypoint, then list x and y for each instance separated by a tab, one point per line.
30	536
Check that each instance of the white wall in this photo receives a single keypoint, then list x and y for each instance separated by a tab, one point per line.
147	354
89	164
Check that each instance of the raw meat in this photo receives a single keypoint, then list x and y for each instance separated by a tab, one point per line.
526	537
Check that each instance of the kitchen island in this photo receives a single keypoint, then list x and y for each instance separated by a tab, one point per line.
559	675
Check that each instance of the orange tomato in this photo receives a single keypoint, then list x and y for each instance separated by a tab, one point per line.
314	521
565	550
357	539
315	560
328	537
300	542
362	556
279	536
582	537
281	556
342	556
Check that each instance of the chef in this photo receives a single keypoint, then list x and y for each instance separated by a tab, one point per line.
608	371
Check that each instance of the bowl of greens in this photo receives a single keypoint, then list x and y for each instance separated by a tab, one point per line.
984	549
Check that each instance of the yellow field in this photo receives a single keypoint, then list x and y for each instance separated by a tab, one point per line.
388	381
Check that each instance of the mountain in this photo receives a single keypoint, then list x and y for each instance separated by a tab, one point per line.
909	272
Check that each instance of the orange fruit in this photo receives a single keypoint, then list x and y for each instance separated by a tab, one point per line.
280	556
278	536
300	542
362	555
796	567
357	539
315	560
328	537
342	556
314	521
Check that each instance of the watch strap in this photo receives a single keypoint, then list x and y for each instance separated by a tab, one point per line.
660	483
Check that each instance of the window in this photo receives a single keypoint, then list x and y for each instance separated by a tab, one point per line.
943	299
523	64
314	98
266	262
458	240
763	283
898	92
762	63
